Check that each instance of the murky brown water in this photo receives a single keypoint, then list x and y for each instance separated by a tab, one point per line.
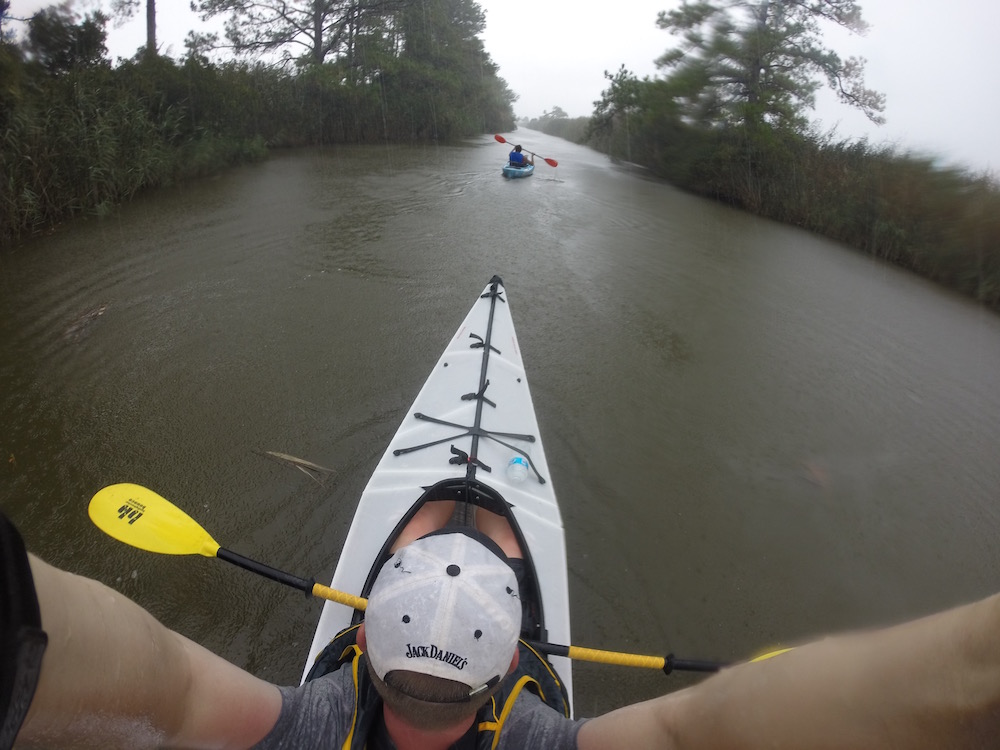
755	434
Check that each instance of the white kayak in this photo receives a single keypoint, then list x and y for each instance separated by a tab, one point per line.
473	415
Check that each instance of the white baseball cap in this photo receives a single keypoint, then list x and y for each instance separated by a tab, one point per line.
445	605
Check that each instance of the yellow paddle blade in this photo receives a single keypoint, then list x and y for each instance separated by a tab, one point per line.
141	518
771	654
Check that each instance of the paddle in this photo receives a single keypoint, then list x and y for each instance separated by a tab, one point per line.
668	663
140	518
550	162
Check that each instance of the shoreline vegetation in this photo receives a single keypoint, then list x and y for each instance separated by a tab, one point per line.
81	136
942	223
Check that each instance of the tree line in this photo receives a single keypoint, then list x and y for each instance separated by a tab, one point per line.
81	134
728	120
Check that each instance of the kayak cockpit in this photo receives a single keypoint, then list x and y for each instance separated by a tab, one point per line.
463	502
458	503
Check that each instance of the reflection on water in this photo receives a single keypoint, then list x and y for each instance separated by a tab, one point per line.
755	434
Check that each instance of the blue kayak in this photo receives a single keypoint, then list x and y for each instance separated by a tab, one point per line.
509	170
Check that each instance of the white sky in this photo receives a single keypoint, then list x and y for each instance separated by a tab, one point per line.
936	62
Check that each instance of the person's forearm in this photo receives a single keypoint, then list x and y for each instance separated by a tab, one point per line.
113	676
933	683
104	655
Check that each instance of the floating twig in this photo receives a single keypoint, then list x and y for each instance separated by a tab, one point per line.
311	470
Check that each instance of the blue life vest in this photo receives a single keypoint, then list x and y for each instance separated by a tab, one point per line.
516	159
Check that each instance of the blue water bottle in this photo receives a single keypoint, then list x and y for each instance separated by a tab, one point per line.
517	469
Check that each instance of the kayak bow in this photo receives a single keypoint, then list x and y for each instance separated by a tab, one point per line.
471	435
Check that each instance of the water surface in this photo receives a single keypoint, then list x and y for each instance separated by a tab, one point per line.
756	435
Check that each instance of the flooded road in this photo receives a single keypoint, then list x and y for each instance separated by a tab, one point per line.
756	435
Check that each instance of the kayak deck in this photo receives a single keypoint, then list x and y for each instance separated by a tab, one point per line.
471	417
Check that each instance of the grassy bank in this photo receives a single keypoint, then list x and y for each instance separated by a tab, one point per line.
942	223
83	140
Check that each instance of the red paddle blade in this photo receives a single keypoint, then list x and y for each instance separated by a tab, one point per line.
500	138
552	162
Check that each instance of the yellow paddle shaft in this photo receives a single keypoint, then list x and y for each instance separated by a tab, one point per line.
340	597
615	657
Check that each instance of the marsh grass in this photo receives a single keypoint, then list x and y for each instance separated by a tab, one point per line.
940	222
87	139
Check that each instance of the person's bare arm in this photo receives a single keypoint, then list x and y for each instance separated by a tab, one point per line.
931	684
114	677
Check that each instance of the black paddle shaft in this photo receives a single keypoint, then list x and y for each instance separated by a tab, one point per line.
690	665
274	574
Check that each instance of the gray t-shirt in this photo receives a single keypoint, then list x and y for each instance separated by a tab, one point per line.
318	715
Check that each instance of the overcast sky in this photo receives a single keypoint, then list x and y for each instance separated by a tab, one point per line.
937	62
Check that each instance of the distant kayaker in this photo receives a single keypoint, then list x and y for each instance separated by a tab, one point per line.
439	635
517	158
